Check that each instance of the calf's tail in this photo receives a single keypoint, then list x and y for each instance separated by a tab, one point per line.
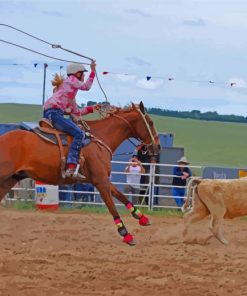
191	186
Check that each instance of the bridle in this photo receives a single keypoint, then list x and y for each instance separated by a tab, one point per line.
147	126
134	132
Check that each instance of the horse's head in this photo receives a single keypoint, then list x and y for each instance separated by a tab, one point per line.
145	130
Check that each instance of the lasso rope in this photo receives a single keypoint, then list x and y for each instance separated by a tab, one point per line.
42	54
107	109
51	57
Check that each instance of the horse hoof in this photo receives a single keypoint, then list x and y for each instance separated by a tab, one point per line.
144	221
129	239
132	243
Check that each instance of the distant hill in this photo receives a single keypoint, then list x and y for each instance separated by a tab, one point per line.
11	113
205	142
208	142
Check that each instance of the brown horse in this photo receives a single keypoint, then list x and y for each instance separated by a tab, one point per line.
23	154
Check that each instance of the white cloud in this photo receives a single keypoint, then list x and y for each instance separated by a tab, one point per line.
232	109
26	95
137	12
125	78
137	61
194	22
149	84
237	82
53	13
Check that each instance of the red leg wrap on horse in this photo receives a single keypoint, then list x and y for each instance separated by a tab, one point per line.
130	207
137	214
143	221
128	238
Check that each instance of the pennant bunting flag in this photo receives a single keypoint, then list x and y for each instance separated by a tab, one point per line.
129	76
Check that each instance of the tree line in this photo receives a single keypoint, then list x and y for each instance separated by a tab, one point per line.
194	114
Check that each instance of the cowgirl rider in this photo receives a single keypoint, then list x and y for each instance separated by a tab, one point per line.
63	102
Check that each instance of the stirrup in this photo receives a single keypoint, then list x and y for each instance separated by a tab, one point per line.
74	174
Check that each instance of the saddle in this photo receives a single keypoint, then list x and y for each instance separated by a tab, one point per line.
47	132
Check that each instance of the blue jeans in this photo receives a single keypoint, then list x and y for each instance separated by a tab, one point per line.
178	192
56	116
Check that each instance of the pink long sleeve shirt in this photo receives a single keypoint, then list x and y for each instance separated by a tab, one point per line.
64	97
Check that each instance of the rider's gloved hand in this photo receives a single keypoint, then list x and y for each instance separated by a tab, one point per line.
93	66
96	107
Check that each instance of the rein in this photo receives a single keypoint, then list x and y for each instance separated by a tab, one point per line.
147	126
126	121
99	142
133	131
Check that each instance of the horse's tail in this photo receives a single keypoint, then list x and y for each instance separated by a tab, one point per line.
191	187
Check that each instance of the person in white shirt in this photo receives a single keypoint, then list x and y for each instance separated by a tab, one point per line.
134	170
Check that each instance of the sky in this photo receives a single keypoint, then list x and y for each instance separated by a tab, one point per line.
171	54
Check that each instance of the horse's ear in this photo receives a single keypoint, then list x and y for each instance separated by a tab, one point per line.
133	105
142	108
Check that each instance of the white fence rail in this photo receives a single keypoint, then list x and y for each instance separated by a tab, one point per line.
156	193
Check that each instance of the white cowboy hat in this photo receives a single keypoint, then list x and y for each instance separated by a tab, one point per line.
183	159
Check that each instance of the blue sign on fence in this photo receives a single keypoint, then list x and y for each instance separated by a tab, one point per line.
220	173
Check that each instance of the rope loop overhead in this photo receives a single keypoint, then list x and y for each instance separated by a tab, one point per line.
54	46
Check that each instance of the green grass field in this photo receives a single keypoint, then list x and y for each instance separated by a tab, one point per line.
205	143
12	113
208	142
97	209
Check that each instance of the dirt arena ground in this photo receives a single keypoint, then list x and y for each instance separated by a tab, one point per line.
82	254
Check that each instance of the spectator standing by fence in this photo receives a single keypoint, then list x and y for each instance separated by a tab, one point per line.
181	174
144	157
134	170
145	193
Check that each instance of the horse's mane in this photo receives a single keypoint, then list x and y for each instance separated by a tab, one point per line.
111	109
107	111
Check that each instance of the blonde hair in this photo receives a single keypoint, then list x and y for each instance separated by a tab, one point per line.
57	81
